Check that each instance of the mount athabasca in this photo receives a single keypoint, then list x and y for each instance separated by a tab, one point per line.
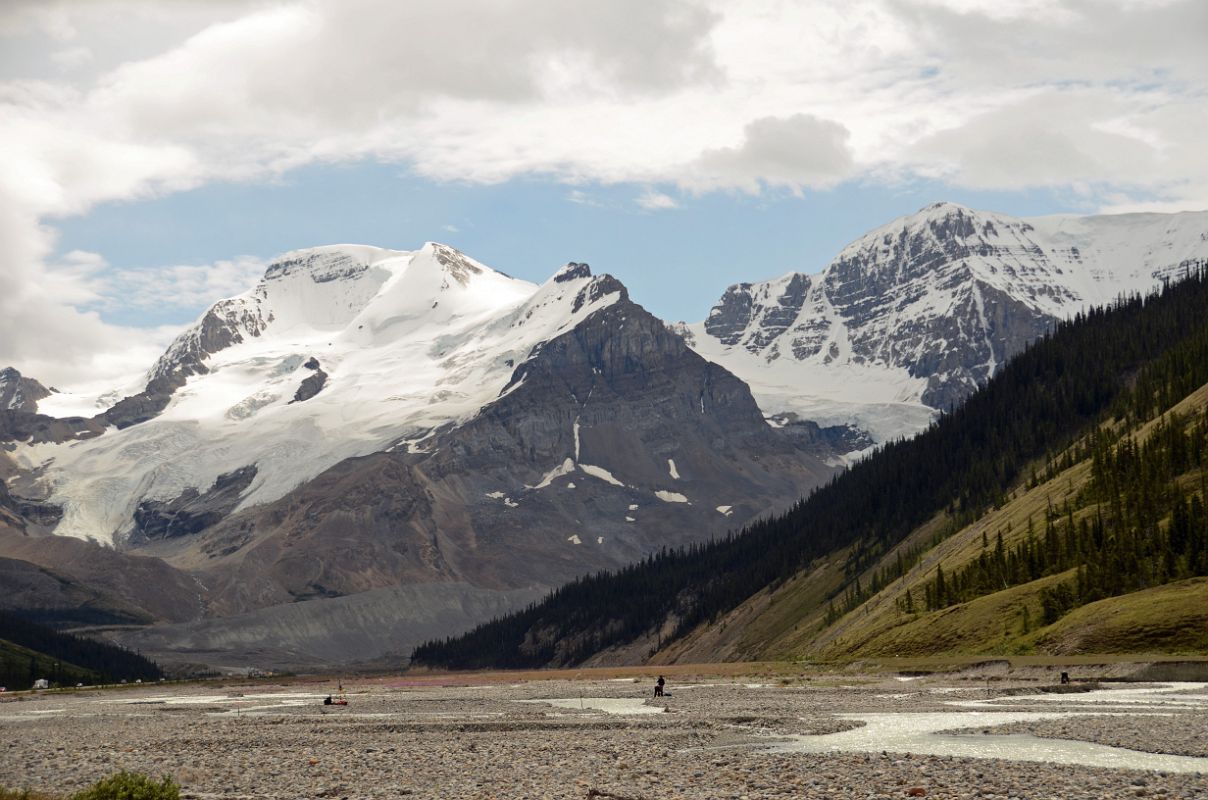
411	438
371	447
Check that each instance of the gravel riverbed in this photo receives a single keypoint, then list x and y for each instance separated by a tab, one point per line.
393	739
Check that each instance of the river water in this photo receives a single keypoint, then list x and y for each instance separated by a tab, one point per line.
932	733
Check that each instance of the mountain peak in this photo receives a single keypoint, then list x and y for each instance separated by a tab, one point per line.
18	393
572	271
327	263
944	207
455	263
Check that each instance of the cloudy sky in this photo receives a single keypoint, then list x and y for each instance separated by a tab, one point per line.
153	155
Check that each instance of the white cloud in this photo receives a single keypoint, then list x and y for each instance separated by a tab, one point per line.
71	57
451	228
652	200
801	151
1079	140
1106	97
582	198
41	330
179	287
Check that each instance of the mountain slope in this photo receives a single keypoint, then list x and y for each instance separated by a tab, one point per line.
367	420
913	316
386	326
1117	525
611	441
964	464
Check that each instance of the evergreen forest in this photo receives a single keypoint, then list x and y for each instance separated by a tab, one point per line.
29	651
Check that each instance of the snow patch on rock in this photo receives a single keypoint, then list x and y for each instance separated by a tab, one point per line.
565	468
601	473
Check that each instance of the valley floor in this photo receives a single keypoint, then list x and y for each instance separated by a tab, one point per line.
767	735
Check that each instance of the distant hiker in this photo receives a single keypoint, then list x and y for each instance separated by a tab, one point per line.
658	686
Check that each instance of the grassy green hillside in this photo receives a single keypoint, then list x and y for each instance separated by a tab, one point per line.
1168	617
20	667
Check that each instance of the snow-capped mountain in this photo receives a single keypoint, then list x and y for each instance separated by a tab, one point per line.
364	420
913	316
338	352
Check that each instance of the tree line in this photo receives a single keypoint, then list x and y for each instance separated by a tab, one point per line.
63	657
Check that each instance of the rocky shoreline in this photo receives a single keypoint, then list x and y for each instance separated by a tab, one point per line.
707	740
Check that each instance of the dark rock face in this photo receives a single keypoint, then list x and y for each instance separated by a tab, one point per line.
19	420
312	384
991	330
38	512
838	439
572	271
192	511
18	393
778	318
16	426
320	266
8	513
225	324
729	319
953	348
145	405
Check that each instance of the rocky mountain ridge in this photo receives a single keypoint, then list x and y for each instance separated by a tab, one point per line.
18	393
915	315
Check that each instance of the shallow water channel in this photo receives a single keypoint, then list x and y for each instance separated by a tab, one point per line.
932	733
609	705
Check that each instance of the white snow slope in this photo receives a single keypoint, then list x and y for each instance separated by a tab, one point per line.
840	346
409	341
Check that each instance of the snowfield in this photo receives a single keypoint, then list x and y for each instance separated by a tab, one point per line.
409	341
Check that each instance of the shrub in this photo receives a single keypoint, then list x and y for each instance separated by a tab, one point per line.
24	794
130	786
